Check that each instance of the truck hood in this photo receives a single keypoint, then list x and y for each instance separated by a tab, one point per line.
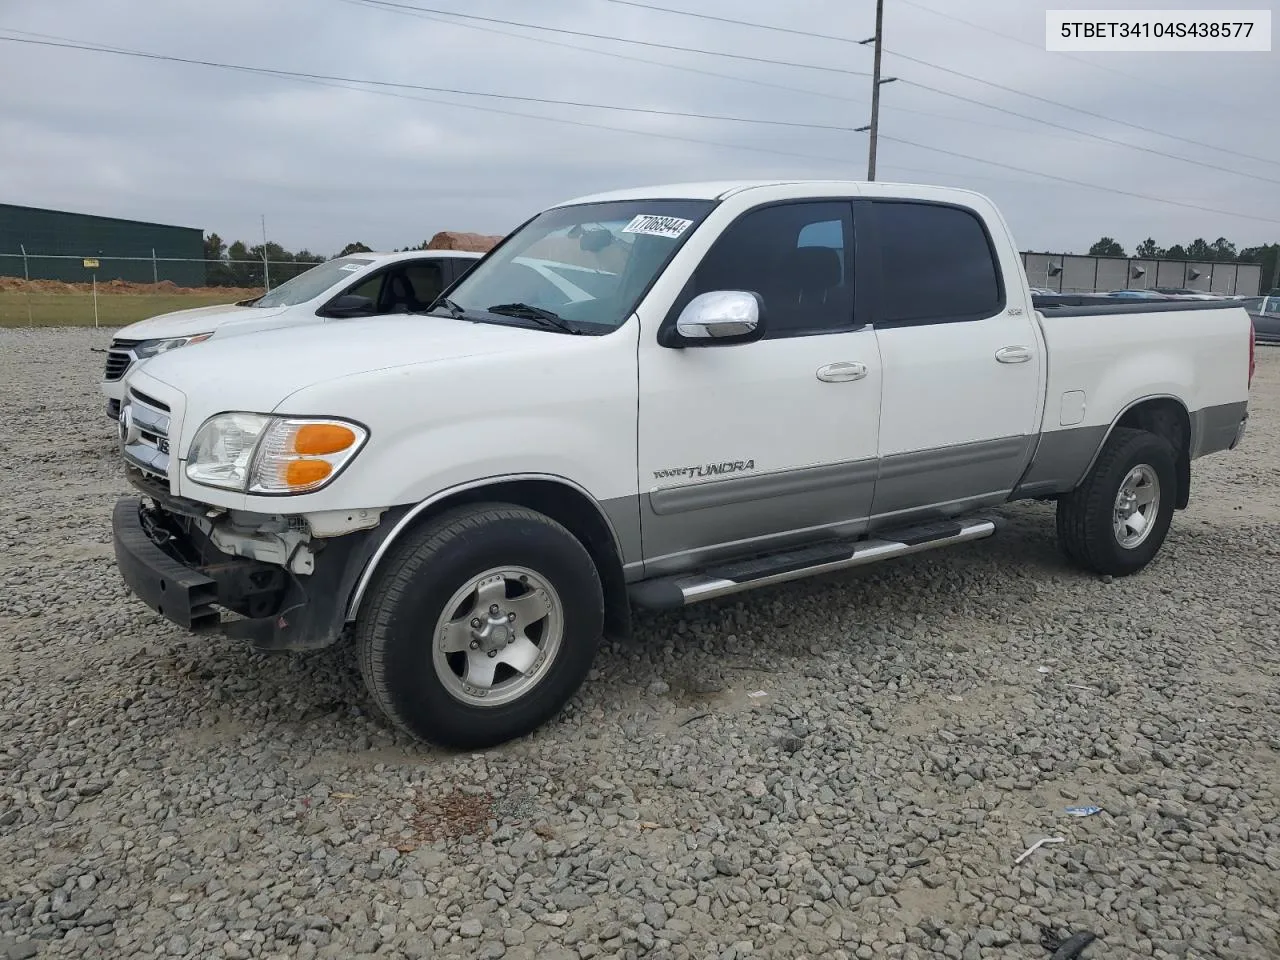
185	323
257	373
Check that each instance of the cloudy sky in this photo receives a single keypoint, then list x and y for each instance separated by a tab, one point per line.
328	163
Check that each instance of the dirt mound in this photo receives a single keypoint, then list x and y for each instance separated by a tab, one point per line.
110	287
471	242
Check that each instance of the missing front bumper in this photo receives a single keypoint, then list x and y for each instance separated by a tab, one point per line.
181	576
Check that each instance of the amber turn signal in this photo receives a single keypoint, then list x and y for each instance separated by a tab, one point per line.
304	473
318	439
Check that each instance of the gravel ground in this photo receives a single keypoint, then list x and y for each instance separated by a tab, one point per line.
840	768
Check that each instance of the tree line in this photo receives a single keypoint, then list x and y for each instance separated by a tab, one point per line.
241	265
1200	250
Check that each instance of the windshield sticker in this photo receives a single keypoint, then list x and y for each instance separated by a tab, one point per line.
351	266
670	227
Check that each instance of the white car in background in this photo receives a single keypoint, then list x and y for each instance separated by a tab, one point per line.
361	285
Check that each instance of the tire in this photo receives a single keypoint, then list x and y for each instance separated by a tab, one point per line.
1065	543
424	661
1141	463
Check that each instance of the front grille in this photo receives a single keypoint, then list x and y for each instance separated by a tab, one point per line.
118	364
148	400
120	358
144	434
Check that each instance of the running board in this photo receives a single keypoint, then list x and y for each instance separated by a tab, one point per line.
669	593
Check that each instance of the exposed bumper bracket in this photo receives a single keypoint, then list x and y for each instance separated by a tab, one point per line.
171	588
191	580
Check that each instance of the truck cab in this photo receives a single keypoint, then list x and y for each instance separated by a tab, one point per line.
729	385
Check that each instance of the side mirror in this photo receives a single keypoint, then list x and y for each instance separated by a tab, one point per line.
349	305
720	317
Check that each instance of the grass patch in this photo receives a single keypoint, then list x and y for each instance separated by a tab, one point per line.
22	309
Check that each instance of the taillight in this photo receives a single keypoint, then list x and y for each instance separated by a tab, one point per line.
1253	337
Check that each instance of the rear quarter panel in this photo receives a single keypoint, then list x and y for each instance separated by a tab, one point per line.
1199	357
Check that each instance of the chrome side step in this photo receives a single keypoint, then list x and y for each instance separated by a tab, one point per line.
668	593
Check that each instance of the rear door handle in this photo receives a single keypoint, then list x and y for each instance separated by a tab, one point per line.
1013	354
842	371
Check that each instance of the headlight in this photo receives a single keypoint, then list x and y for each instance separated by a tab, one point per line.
253	453
150	348
221	454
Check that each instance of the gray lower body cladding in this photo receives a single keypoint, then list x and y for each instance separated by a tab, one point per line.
687	527
1216	428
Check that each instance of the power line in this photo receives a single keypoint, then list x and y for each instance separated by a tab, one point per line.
395	7
614	55
1101	138
957	73
815	126
391	4
454	91
950	174
1079	183
1087	113
346	84
737	23
1025	42
326	80
611	54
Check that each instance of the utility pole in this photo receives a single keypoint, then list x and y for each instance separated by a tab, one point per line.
266	269
873	128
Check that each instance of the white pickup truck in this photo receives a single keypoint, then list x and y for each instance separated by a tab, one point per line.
766	381
360	285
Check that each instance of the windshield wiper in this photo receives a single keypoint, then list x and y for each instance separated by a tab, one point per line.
455	311
527	311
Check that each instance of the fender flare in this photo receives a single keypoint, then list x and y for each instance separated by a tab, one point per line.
1120	416
370	568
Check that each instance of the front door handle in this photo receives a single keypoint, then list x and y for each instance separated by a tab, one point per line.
1013	354
841	372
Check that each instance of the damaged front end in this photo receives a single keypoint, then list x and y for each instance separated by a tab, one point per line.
285	587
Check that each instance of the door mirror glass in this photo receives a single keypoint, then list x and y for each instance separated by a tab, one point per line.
721	316
350	305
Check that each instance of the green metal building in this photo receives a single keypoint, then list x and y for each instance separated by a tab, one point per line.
53	245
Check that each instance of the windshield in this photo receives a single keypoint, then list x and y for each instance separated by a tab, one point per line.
309	285
588	264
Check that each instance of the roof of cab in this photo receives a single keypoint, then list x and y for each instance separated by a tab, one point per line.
696	190
393	256
721	189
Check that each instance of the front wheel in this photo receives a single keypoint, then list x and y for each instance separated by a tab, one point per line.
1116	520
480	626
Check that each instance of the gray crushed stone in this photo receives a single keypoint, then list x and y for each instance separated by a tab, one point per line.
838	768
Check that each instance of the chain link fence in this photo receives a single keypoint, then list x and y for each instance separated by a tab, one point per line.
105	291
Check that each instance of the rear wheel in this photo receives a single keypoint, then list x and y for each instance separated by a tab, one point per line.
480	626
1117	519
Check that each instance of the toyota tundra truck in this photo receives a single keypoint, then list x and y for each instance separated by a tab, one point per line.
760	382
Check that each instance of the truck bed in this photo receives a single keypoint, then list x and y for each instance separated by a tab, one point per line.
1076	305
1106	357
